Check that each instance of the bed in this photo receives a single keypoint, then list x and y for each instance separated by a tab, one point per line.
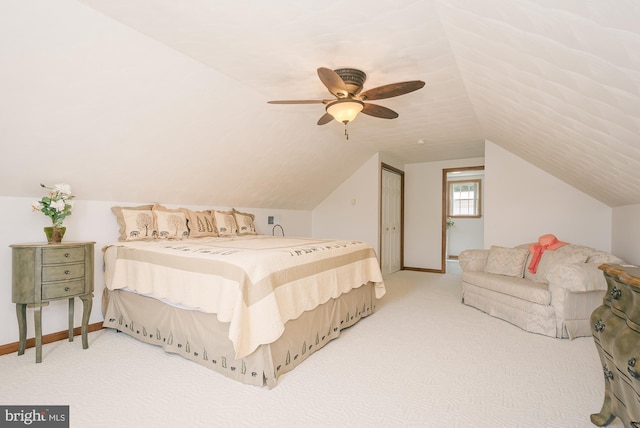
250	307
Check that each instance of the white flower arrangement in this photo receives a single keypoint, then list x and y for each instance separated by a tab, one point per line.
57	206
450	223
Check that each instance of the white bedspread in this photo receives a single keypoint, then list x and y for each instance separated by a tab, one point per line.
256	283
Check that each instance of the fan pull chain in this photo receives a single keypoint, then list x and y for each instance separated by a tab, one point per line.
346	134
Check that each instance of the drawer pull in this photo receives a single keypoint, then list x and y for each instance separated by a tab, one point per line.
67	255
615	293
66	289
599	326
67	272
607	373
630	364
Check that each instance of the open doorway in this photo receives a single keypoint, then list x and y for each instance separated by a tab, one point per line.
462	215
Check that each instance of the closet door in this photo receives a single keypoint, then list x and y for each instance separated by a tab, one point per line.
391	218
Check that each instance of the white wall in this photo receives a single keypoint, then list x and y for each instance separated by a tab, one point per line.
423	211
90	221
337	216
626	233
390	160
353	209
523	202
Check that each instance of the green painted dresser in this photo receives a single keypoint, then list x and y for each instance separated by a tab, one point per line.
616	332
45	272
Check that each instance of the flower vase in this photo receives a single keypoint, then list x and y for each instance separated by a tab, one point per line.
54	234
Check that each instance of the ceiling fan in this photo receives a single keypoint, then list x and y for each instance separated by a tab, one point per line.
346	85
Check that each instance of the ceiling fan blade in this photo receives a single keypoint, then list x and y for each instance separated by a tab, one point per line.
392	90
379	111
333	82
326	118
299	102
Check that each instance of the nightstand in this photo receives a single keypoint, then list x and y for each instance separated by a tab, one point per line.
45	272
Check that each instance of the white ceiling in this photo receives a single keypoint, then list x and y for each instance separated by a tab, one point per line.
555	82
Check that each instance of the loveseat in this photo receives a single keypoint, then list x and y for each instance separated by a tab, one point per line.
556	301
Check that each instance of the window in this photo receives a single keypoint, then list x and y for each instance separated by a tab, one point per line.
464	198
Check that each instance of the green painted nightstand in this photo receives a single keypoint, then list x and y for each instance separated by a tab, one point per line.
45	272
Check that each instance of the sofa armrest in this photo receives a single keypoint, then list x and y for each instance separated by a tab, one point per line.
576	290
473	260
577	277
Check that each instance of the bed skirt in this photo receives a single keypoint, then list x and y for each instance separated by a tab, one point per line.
200	337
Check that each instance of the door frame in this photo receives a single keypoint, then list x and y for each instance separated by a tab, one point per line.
445	207
389	168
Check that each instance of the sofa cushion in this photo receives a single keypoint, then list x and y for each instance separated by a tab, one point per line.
506	261
599	257
521	288
567	254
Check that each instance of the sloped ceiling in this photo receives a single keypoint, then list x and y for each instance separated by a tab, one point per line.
555	82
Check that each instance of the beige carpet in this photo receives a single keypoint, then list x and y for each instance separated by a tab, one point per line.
422	360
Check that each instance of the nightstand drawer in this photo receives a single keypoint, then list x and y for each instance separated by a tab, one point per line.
62	255
62	272
55	290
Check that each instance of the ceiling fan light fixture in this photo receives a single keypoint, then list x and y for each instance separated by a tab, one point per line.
345	110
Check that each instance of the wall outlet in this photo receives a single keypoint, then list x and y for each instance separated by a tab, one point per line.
273	219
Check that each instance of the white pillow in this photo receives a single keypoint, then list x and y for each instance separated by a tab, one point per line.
245	223
507	261
170	224
225	223
200	223
136	223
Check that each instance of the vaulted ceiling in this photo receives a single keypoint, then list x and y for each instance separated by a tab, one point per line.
555	82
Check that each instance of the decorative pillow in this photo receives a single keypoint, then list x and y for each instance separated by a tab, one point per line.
507	261
136	223
600	257
245	223
567	254
225	223
200	223
170	224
